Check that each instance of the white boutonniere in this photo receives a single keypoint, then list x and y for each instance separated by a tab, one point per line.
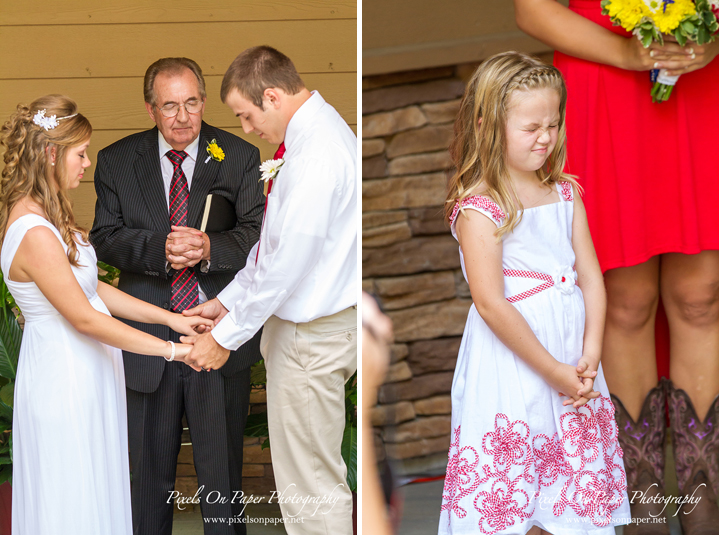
270	168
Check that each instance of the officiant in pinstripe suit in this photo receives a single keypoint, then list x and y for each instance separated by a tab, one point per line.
151	190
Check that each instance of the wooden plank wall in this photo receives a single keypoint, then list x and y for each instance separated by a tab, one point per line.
404	35
97	53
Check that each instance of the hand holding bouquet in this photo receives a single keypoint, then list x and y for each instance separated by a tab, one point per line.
651	20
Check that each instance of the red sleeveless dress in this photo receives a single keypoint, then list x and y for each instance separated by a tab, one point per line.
649	171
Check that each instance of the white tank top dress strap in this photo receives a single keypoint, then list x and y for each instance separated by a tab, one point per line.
16	232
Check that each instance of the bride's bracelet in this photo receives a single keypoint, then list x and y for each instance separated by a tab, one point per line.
172	353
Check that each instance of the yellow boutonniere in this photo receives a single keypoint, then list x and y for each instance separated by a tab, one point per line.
214	151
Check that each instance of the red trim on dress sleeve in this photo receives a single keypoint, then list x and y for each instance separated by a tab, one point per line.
483	204
567	191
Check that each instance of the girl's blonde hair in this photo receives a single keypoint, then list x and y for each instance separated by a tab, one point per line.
28	164
479	149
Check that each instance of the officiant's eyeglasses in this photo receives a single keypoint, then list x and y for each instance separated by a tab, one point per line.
171	110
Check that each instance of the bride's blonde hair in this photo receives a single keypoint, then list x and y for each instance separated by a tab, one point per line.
479	150
28	166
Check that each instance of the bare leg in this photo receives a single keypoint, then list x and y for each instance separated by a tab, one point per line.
690	291
628	355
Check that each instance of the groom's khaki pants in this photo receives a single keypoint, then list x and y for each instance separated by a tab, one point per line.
307	367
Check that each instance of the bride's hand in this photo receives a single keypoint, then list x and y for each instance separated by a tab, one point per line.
181	351
189	325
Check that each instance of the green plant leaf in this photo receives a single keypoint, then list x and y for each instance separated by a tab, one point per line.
5	474
6	394
646	39
107	273
258	374
703	35
256	425
10	338
688	26
5	411
681	38
351	400
349	455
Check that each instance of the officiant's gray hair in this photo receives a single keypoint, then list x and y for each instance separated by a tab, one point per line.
257	69
171	66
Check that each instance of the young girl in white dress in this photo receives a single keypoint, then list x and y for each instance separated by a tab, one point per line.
70	455
534	441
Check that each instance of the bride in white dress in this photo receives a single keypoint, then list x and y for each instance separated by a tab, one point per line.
70	455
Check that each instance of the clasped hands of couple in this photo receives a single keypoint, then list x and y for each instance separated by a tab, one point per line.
185	247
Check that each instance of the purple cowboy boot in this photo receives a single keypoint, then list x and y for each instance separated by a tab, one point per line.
696	455
643	445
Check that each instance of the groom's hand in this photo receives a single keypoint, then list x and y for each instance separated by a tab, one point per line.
185	247
212	309
206	353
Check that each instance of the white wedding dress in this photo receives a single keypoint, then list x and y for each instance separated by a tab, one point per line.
70	457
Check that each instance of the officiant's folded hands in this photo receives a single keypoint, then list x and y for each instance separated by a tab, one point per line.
185	247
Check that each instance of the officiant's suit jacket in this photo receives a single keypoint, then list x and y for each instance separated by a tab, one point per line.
132	223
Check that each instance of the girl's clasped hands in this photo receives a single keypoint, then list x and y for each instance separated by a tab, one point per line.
579	379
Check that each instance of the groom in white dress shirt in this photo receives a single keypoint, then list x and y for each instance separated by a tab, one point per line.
300	282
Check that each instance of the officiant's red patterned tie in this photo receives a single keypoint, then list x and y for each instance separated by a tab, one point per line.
278	154
185	292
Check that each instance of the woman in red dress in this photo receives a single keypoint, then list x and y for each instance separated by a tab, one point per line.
651	189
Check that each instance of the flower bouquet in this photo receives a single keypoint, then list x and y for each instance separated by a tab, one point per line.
651	20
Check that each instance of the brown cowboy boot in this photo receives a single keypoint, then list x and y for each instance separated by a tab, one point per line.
696	455
643	445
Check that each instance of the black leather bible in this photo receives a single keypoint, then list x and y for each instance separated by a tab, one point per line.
219	214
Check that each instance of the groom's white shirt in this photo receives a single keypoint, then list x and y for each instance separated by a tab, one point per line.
307	264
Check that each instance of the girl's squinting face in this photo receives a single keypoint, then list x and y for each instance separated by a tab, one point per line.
532	129
76	161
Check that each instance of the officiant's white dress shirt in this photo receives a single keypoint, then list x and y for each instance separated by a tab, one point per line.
307	265
188	167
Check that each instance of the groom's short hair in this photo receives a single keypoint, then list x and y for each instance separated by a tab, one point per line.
171	66
257	69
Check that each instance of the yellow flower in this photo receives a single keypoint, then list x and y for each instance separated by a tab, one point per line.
215	152
667	17
628	13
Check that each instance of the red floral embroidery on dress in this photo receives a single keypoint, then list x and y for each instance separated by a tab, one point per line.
567	191
580	435
501	506
584	435
550	461
462	478
595	494
488	206
509	446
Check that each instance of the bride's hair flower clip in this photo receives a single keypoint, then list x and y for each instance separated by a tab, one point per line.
48	123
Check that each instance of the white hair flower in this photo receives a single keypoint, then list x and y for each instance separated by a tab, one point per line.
48	123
